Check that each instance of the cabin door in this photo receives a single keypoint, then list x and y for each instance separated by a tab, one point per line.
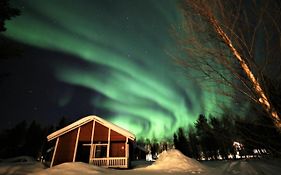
83	152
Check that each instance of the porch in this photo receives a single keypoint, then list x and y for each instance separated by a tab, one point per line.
114	162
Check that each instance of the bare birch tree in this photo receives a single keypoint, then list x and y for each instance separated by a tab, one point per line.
236	43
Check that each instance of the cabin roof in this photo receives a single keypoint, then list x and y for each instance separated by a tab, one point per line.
88	119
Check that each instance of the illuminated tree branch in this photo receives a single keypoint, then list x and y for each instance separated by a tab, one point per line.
214	32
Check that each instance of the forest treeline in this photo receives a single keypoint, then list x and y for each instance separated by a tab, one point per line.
222	137
27	139
211	137
216	138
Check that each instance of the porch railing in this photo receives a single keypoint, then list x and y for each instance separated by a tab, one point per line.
115	162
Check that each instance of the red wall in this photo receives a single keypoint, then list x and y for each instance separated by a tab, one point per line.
65	148
101	133
117	149
114	136
86	132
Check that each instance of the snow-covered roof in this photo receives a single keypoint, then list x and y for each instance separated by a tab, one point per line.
87	120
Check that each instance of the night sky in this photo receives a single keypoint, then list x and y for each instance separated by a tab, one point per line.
108	58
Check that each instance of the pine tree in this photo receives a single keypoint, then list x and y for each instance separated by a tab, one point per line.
181	142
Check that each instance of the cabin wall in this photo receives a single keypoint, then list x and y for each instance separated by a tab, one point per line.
117	149
114	143
85	135
117	144
100	133
115	136
65	148
86	132
131	149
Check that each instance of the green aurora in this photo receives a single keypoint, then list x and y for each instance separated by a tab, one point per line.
125	45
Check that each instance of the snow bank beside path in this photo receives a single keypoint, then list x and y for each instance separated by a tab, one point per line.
174	161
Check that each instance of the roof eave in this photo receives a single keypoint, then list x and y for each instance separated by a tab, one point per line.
85	120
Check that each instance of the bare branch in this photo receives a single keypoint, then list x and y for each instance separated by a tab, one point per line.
217	35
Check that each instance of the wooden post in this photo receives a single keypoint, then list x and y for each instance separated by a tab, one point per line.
108	146
54	153
127	152
92	140
76	144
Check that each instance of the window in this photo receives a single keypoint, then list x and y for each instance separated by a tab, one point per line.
101	151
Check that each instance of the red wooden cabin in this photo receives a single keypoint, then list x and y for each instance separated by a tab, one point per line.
93	140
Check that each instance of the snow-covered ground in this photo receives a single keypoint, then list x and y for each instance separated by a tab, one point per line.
171	162
20	166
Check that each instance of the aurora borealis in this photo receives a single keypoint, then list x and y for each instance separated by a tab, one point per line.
124	46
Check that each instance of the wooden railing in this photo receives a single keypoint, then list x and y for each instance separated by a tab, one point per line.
115	162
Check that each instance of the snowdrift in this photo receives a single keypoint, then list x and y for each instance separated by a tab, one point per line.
174	161
73	168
